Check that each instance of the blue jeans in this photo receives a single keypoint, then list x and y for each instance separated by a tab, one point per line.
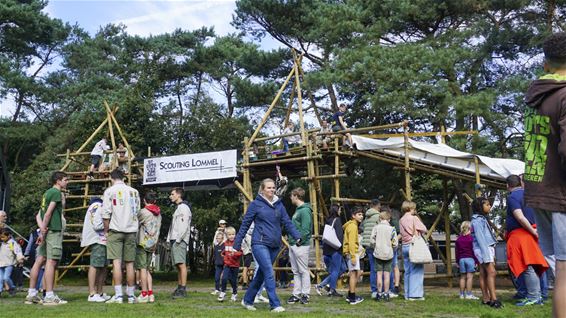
265	256
217	276
230	274
334	266
414	276
522	287
285	145
393	265
372	272
5	277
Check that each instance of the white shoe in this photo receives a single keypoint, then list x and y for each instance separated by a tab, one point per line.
53	301
261	299
462	296
151	298
248	307
105	296
471	296
234	297
142	300
115	300
215	292
132	299
96	298
221	296
278	309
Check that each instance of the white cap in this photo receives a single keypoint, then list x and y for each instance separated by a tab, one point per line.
222	222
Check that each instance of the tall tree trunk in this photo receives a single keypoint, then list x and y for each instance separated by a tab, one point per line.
333	99
199	88
229	96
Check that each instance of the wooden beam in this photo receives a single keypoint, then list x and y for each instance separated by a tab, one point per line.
243	191
422	134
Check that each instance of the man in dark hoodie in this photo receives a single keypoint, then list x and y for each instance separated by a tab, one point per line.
545	159
148	235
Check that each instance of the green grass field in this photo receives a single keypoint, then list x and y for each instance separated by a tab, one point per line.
440	302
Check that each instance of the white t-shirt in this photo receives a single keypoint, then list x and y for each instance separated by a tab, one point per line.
121	205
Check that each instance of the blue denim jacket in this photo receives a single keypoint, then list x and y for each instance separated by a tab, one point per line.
482	234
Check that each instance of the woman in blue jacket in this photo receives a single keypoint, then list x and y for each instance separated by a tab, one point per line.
268	214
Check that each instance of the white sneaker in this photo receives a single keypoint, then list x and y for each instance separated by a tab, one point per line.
471	296
142	299
462	296
261	299
234	297
248	307
221	296
105	296
132	299
96	298
115	300
215	292
151	298
53	301
278	309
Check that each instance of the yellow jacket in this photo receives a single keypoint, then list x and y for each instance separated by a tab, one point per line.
351	244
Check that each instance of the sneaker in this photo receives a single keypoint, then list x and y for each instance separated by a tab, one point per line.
496	304
215	292
278	309
180	293
221	296
142	299
132	299
416	299
151	298
248	307
374	296
234	297
471	296
261	299
393	294
30	300
318	289
356	300
96	298
385	296
115	300
105	296
527	302
334	293
304	299
293	299
53	301
462	296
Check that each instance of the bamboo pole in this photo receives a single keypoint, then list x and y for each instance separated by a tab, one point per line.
264	119
334	199
447	232
124	139
443	210
289	106
336	168
246	157
280	161
478	180
407	167
72	263
353	130
329	176
243	191
113	141
422	134
314	206
300	100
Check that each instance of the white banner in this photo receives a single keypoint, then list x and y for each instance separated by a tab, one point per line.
193	167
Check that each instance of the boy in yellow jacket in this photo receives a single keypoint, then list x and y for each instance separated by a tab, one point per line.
351	251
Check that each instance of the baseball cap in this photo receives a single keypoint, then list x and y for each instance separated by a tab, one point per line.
222	222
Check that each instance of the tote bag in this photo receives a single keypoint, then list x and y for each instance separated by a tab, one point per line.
329	236
419	253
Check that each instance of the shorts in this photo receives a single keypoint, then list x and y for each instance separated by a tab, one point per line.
248	258
121	246
98	255
179	253
467	265
490	259
383	265
143	258
52	247
95	160
551	234
353	267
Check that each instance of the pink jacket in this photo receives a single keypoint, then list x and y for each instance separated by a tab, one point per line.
407	223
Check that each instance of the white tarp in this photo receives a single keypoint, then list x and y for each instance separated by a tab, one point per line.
192	167
442	155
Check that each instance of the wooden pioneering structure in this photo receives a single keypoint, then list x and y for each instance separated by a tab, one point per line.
80	189
313	164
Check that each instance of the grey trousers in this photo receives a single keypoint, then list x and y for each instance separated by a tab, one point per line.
299	258
532	282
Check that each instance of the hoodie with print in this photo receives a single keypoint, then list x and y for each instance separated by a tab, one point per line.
150	224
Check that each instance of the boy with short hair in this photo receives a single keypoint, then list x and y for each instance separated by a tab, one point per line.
231	265
50	222
299	254
93	237
178	237
96	156
218	261
351	251
148	235
545	154
384	238
10	255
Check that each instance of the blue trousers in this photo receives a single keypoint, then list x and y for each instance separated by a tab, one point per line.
522	286
414	276
230	274
334	265
265	256
5	277
372	272
217	276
